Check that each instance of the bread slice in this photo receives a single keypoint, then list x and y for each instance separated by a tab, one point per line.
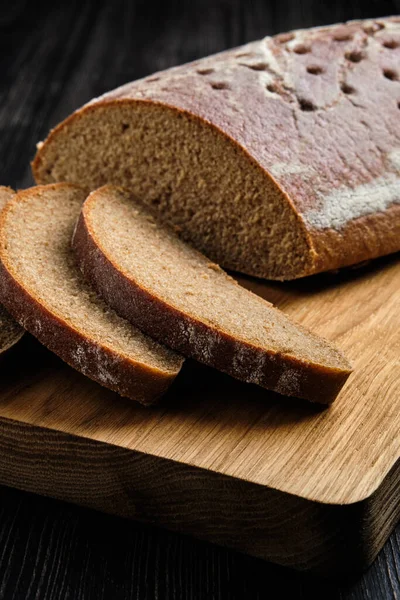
278	159
176	295
10	331
44	291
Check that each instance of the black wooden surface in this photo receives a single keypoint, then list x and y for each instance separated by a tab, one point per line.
53	58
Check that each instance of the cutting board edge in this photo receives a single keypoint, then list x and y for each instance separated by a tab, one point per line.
331	540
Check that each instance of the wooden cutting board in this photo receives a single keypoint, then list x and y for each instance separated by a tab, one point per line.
271	476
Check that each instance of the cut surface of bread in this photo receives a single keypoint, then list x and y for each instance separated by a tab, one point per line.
43	289
10	331
278	159
175	294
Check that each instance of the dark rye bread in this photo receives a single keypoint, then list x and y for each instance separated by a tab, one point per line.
175	294
43	289
278	159
10	331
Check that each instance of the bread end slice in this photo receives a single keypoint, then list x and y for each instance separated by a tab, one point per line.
175	294
10	331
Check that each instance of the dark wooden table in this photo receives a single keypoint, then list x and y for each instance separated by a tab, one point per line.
54	57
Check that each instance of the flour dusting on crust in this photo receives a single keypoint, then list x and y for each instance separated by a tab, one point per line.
394	159
345	204
257	374
202	344
288	382
100	364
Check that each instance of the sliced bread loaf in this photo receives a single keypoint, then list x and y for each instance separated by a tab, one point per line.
175	294
44	291
10	331
278	159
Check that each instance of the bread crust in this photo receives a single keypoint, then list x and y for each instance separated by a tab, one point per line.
134	380
15	332
190	336
302	107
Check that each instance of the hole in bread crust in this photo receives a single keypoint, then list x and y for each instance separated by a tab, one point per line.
315	70
243	54
343	36
390	74
261	66
347	89
220	85
306	105
205	71
391	44
355	56
273	88
301	49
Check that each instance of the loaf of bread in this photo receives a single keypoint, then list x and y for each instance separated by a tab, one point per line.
175	294
43	289
278	159
10	331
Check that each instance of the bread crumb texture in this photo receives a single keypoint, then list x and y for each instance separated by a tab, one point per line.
35	249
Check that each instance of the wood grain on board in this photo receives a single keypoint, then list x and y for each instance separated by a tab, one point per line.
225	461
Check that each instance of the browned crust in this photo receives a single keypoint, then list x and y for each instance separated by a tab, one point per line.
18	335
167	324
307	137
134	380
6	193
12	341
363	239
